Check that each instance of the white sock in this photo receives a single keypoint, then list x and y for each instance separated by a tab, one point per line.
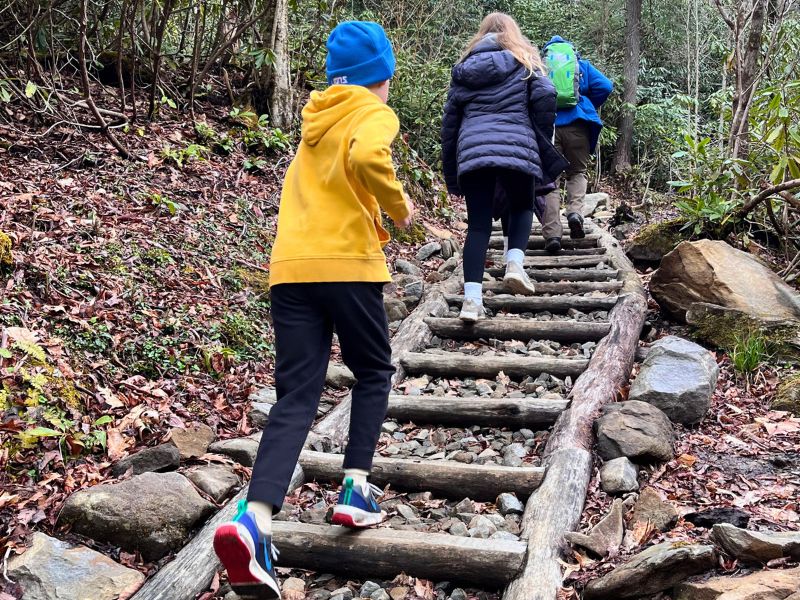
505	244
474	291
263	514
515	255
358	476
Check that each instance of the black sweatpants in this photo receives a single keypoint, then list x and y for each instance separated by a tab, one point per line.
481	188
304	316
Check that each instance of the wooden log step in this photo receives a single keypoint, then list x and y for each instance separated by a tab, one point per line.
518	329
449	410
558	262
571	252
456	364
387	552
562	287
555	304
537	242
562	274
447	478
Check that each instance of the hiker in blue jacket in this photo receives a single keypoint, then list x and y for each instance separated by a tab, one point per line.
577	131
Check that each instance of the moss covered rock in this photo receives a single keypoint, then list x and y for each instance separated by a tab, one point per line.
788	396
725	327
656	240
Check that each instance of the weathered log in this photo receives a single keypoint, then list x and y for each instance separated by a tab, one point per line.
448	478
386	552
456	364
537	242
449	410
555	508
562	274
555	304
193	568
593	251
518	329
562	287
560	262
412	335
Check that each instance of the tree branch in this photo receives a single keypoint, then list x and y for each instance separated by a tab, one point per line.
764	194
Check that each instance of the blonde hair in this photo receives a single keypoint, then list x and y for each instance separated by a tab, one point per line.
511	38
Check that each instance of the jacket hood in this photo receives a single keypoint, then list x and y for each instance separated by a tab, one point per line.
326	108
555	40
488	64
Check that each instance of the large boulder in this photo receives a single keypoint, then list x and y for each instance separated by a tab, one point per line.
654	570
54	570
634	429
679	377
152	513
763	585
716	273
756	546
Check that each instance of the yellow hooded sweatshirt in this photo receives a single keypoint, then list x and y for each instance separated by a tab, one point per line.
329	221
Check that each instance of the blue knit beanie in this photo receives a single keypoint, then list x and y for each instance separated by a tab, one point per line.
359	53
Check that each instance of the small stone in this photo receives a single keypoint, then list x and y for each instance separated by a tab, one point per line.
396	310
510	459
407	512
344	593
54	570
408	268
215	480
458	594
369	587
458	528
605	537
634	429
165	457
318	594
756	546
714	516
242	450
398	593
448	266
465	506
481	527
428	250
339	376
414	288
259	413
389	427
509	504
193	441
504	535
293	588
619	476
380	595
650	507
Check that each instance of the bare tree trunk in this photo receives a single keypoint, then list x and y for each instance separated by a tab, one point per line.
159	32
633	33
280	92
120	35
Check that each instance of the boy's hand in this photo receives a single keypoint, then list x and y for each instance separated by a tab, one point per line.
406	223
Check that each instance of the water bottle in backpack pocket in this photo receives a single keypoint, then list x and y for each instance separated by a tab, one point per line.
565	72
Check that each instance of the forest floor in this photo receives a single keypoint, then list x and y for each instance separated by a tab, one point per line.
145	284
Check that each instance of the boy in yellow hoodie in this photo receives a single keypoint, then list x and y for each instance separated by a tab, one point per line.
327	271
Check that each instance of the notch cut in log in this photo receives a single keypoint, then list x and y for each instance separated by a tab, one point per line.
387	552
447	478
555	507
518	329
456	364
449	410
561	287
537	242
555	304
562	274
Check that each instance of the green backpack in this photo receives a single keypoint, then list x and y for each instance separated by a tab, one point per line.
565	72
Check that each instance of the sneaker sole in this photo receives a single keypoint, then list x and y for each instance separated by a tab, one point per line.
355	518
245	575
470	317
517	285
576	231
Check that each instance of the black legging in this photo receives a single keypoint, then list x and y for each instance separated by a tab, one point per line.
480	189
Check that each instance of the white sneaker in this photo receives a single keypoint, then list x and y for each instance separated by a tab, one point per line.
517	280
471	311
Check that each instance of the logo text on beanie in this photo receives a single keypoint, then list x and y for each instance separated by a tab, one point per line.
342	80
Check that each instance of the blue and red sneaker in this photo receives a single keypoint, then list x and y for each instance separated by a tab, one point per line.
247	556
357	507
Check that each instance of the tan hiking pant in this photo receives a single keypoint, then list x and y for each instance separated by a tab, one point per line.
573	142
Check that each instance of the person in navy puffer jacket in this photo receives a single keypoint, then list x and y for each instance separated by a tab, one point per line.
496	138
577	131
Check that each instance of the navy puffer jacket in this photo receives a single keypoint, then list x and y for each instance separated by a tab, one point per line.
489	118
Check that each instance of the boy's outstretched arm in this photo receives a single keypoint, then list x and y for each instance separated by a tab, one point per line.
371	163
